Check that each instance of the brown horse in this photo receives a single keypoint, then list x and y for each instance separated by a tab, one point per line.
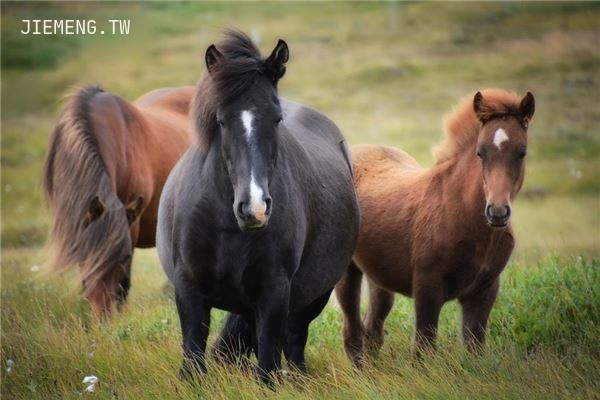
441	233
104	171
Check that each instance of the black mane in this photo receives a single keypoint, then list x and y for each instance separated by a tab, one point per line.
239	69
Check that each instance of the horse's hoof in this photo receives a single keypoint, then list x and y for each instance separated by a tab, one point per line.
191	370
271	378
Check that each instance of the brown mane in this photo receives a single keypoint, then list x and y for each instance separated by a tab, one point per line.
461	126
73	174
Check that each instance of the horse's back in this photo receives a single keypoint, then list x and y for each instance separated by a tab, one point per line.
175	99
376	159
319	136
316	123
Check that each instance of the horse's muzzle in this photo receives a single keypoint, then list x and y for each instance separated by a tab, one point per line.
253	217
497	216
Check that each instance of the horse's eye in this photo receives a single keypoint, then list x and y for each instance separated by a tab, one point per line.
522	154
278	121
479	155
220	123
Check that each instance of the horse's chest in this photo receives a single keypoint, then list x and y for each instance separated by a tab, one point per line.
228	268
472	264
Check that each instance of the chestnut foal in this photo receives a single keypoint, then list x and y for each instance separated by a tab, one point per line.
440	233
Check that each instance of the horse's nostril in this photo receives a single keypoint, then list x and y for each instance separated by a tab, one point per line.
268	203
506	212
242	211
488	211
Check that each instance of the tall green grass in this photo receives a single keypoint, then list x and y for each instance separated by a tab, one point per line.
543	343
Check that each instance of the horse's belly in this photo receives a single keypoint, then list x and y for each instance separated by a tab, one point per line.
386	273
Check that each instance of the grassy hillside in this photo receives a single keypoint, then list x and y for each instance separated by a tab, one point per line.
386	73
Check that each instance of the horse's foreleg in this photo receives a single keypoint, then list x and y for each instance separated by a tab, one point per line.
475	313
194	316
271	324
298	332
428	304
381	302
347	292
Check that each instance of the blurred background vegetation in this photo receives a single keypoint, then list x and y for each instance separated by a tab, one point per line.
385	73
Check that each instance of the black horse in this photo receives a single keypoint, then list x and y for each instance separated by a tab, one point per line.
259	217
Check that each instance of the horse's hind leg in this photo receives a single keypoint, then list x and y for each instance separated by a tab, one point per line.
475	313
272	311
237	340
297	333
381	302
348	295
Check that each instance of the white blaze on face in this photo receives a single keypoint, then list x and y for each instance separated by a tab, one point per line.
257	205
247	118
500	137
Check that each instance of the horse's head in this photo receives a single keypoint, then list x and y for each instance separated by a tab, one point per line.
501	147
248	124
111	229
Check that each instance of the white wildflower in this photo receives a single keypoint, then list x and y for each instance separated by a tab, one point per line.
573	170
7	188
35	268
91	380
9	365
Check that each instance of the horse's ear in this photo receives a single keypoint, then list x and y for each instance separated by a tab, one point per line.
482	111
95	211
134	209
276	61
212	57
527	108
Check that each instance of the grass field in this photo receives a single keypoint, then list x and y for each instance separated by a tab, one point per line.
386	73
